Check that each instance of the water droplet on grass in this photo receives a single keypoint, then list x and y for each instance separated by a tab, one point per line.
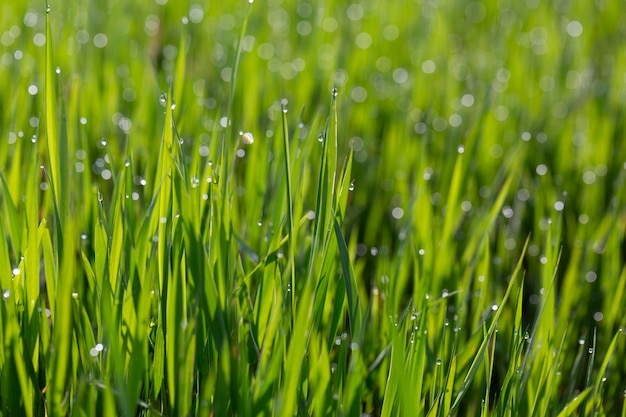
438	362
351	187
334	92
247	138
75	295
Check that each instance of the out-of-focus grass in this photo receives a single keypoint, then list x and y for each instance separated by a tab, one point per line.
430	220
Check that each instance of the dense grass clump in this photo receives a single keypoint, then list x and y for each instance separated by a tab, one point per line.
312	208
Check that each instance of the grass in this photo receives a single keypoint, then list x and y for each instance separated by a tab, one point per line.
430	220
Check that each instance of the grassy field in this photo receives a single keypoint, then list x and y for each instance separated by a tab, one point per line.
325	208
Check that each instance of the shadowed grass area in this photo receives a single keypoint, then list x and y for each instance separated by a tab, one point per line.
312	208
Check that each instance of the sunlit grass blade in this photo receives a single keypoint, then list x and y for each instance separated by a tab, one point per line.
291	231
56	141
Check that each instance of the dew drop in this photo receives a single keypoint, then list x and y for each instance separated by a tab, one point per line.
320	138
334	92
351	187
438	361
47	8
16	271
590	350
100	197
75	295
58	70
34	139
247	138
259	223
6	294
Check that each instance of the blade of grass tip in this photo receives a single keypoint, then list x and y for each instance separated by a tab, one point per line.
603	367
291	230
180	67
483	346
57	146
164	174
588	407
452	207
571	408
325	187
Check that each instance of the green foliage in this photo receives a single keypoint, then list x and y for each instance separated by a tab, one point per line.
425	216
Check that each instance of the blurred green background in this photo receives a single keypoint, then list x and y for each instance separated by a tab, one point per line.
528	90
